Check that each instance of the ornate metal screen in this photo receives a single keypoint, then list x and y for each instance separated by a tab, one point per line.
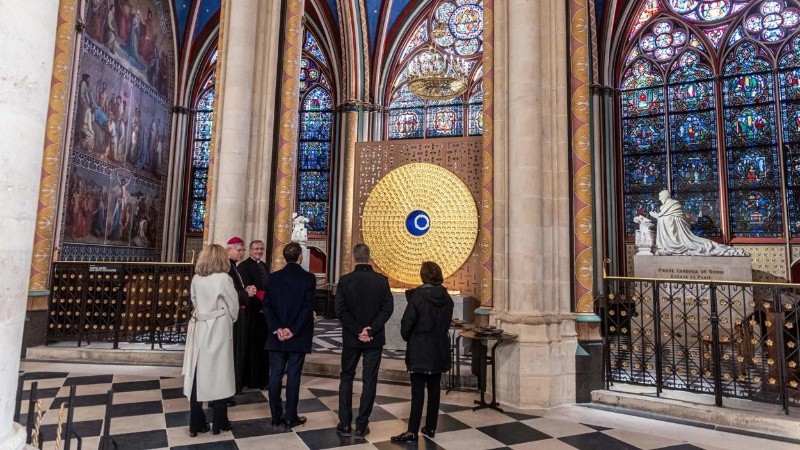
727	339
129	302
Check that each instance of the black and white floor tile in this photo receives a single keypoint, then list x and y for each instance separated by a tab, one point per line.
150	412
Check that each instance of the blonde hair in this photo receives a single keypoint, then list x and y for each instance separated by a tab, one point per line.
212	259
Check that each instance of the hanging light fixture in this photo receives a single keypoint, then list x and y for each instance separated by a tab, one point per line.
434	76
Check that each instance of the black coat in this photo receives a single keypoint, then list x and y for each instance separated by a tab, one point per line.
425	327
363	299
289	303
236	276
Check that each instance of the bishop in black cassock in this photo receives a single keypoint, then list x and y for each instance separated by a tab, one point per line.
254	272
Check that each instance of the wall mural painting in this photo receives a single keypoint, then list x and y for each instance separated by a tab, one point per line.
121	131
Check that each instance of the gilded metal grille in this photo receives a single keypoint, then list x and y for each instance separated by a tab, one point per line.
129	302
727	339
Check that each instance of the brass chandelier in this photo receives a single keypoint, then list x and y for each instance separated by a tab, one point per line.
434	76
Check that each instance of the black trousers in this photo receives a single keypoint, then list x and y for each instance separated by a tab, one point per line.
290	363
369	380
197	417
419	383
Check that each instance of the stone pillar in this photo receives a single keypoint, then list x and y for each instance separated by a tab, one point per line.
29	41
286	170
348	174
533	194
232	120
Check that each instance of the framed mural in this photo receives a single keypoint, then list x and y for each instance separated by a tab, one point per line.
121	125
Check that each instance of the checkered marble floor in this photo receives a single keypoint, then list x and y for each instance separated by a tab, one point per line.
150	412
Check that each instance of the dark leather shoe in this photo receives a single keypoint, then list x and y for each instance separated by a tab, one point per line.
204	429
344	430
300	420
361	433
231	402
405	437
429	433
279	422
226	427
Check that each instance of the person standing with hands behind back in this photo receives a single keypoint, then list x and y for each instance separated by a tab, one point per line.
208	358
425	326
363	304
288	310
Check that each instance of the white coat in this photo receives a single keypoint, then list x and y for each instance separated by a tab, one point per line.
209	338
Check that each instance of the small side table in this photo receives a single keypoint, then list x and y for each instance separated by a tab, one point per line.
489	361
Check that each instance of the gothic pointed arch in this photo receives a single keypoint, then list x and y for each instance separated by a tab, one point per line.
708	105
453	28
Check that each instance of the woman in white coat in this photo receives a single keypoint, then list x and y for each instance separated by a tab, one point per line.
208	359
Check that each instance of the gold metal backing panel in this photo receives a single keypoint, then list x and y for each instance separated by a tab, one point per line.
461	156
451	230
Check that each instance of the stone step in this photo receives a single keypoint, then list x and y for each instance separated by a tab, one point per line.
758	418
322	364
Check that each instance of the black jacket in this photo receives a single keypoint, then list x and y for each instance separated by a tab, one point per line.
363	299
425	327
289	303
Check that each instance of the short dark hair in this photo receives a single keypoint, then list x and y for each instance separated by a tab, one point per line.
431	273
292	252
361	253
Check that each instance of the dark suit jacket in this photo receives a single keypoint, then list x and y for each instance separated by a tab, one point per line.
251	274
363	299
289	303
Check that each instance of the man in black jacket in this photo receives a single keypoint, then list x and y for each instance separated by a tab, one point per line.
288	310
363	304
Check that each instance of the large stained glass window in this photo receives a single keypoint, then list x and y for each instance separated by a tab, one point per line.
455	29
316	137
710	109
201	152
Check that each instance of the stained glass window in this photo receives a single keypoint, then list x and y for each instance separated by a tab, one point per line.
453	28
201	154
316	136
705	120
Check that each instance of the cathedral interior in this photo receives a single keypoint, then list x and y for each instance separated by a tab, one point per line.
512	141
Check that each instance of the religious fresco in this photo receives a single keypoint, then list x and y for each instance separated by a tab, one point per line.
121	127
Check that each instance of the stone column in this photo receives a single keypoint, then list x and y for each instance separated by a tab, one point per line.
286	170
232	120
29	41
533	194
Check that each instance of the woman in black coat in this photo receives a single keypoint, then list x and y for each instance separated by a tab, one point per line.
425	327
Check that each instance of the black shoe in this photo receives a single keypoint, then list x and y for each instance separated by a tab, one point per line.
300	420
231	402
204	429
226	427
277	423
361	433
405	437
429	433
343	431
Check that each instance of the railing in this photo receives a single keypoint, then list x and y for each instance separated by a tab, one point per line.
730	339
119	302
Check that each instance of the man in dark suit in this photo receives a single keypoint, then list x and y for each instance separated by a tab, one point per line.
288	309
363	304
254	273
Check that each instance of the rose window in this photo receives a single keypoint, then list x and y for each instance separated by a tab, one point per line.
458	28
706	10
772	20
664	41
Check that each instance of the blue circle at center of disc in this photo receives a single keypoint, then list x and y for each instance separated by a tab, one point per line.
418	222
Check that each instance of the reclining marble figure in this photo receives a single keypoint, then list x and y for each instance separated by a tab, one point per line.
674	237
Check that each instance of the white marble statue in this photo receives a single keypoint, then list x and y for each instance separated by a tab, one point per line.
299	231
644	235
674	237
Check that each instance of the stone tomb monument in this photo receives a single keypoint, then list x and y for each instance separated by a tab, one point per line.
685	309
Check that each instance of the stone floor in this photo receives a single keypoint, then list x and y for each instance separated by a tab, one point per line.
150	412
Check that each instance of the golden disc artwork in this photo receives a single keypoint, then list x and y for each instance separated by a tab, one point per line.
419	212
